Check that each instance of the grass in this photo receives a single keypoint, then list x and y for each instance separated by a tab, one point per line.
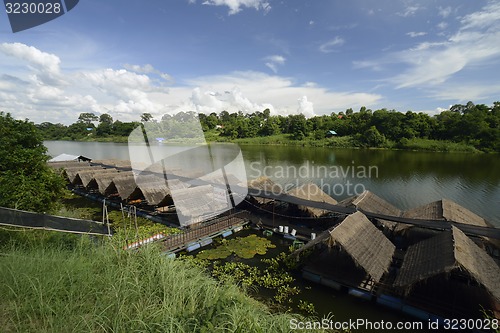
435	145
53	287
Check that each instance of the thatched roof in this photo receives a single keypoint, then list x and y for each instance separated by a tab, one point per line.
125	185
312	192
88	174
72	172
217	177
113	163
445	210
155	193
362	241
103	181
448	251
176	184
67	164
450	211
370	202
204	204
264	184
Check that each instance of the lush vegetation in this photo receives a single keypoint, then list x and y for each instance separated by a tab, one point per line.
466	127
26	182
70	284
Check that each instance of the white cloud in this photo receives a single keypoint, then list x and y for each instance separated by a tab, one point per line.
126	93
46	66
414	34
473	91
475	44
274	61
148	69
305	107
410	11
235	6
442	25
444	12
331	44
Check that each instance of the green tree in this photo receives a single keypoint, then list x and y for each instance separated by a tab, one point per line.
87	118
105	126
373	138
145	117
26	181
298	126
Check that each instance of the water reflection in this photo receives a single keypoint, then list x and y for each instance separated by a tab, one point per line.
406	179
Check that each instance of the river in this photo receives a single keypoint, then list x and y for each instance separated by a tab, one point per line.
405	179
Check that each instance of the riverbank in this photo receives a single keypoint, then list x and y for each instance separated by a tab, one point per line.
52	282
348	142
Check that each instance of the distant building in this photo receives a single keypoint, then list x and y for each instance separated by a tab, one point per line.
330	133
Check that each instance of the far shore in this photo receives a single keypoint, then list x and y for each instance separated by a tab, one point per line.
347	142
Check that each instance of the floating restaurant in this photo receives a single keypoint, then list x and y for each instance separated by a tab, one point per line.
421	261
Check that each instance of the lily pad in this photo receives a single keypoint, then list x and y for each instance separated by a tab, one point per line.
245	248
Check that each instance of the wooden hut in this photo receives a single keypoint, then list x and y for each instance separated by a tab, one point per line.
197	203
72	172
447	253
312	192
264	185
102	182
448	210
361	241
126	187
113	163
84	177
370	202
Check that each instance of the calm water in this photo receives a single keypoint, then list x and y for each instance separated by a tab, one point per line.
406	179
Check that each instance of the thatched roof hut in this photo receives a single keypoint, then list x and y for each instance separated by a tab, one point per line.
72	172
66	164
450	211
446	210
125	186
103	181
449	251
113	163
205	203
264	184
155	193
87	175
370	202
312	192
362	241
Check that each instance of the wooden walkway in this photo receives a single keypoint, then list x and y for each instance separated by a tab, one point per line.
213	228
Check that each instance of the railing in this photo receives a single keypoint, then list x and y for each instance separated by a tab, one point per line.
199	232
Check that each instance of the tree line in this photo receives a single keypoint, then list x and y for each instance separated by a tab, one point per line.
475	125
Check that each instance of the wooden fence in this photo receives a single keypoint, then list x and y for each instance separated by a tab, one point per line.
175	241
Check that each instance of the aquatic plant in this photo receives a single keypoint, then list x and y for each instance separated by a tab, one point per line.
242	247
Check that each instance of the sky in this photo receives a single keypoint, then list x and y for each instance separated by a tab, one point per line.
313	57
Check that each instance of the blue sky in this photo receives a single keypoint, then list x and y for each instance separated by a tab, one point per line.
311	56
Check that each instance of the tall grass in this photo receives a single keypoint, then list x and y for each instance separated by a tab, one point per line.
89	288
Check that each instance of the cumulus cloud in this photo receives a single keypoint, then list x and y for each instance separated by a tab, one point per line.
125	93
46	66
305	107
274	61
330	46
235	6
